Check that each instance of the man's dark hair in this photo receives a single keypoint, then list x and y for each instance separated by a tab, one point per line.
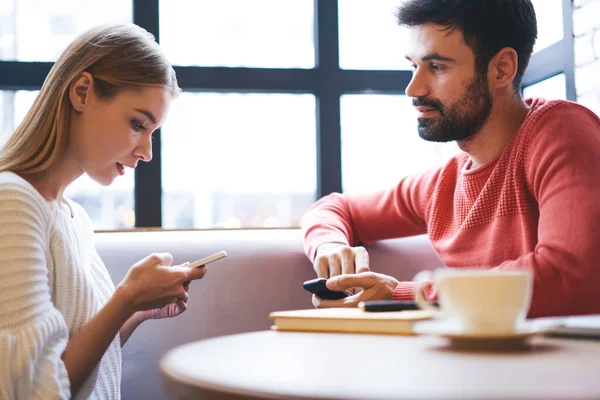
487	26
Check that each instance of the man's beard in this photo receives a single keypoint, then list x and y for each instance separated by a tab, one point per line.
461	120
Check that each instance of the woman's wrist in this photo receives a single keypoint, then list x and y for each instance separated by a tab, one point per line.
124	299
137	318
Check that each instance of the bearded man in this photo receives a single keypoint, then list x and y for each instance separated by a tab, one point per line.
523	194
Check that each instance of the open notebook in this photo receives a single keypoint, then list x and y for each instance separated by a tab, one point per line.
348	320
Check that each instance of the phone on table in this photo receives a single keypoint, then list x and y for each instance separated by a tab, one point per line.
209	259
318	287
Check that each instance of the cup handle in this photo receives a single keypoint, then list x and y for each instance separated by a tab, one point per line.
420	280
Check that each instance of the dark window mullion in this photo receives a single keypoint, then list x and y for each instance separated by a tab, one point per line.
545	64
327	91
148	177
23	75
569	52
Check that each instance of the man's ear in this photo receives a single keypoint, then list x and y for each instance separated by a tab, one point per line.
81	90
503	68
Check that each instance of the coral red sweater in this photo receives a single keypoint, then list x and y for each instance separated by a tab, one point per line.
536	205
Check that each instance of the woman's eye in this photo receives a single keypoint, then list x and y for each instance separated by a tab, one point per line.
137	126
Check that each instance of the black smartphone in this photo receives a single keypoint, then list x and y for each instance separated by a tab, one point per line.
317	286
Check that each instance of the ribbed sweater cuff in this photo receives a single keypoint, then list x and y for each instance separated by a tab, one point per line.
404	291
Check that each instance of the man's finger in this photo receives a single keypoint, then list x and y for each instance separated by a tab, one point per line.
335	265
361	259
347	258
344	282
345	302
322	267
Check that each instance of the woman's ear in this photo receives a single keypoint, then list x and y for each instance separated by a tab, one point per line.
503	68
81	90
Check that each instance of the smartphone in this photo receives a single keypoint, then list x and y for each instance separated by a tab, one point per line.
209	259
318	287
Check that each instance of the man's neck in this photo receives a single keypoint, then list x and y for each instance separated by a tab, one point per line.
506	117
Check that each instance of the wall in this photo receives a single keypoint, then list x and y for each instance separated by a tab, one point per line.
586	27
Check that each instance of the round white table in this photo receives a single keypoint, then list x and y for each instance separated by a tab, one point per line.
294	365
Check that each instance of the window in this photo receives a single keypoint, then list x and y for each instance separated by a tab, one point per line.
369	34
284	102
13	107
551	88
238	33
380	143
238	160
553	59
549	14
39	30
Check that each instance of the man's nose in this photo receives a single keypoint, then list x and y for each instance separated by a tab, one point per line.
418	86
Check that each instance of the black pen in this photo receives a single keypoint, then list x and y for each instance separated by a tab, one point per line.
389	305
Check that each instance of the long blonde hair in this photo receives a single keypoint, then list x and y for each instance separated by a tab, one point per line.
119	57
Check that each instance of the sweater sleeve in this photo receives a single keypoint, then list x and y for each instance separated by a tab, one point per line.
353	219
563	172
33	333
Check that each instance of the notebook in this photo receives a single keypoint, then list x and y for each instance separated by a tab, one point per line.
352	320
584	326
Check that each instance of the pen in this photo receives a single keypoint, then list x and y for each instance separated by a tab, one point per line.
389	305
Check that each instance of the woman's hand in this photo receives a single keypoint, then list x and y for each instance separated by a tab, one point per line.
168	311
153	285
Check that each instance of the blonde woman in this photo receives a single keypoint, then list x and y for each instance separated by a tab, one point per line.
62	322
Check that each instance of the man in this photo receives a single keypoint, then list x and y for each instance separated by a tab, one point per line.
524	194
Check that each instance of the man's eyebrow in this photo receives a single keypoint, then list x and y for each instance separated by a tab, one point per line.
147	114
432	57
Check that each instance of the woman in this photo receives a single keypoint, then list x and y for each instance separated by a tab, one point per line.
62	322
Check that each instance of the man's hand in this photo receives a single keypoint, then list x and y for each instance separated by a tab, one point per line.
333	259
373	286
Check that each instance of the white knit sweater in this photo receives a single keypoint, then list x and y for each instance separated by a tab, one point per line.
52	282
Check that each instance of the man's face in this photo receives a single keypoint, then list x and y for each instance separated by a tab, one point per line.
453	101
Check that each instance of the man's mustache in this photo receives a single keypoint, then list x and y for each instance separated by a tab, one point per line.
430	103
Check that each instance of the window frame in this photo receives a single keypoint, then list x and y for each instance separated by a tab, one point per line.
326	81
557	58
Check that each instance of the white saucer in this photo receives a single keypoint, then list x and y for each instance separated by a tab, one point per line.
454	331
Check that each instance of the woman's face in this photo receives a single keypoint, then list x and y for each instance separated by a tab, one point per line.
109	136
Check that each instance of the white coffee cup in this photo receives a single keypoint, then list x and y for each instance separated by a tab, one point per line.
479	300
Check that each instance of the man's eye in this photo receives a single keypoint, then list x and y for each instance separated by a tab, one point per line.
437	68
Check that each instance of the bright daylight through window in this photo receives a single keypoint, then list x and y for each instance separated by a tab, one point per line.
249	159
